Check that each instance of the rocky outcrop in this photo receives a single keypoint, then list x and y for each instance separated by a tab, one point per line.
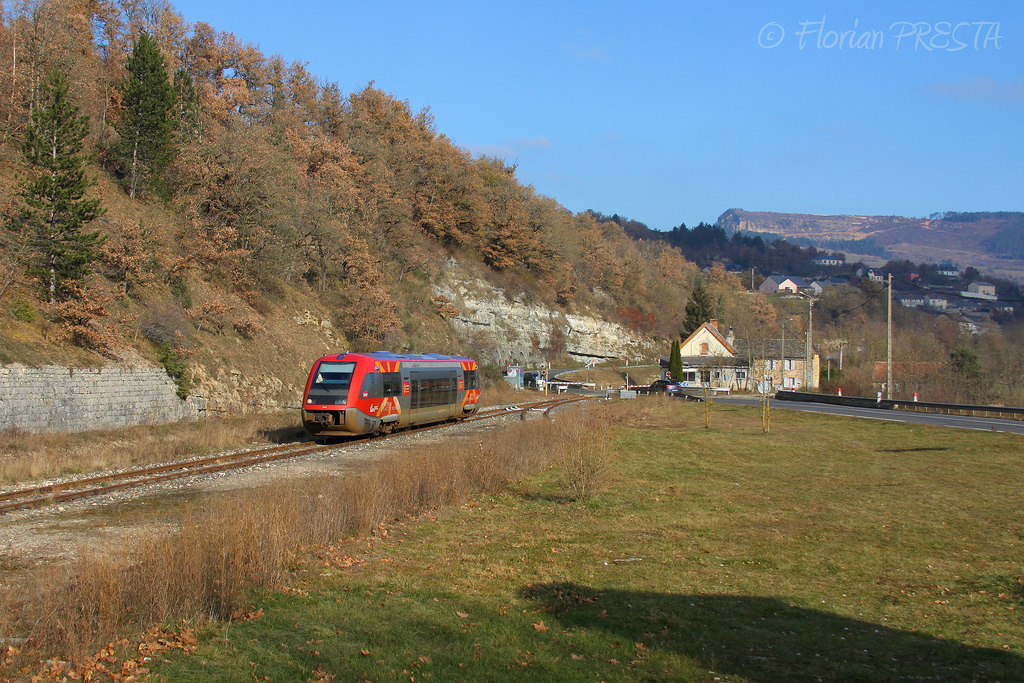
511	330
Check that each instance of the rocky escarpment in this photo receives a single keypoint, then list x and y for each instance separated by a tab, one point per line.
512	330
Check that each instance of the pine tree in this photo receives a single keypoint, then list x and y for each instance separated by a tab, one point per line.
50	223
147	121
699	309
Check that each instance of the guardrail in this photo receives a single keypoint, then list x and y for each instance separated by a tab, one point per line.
1008	412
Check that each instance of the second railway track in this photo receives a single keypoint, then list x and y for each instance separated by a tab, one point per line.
97	485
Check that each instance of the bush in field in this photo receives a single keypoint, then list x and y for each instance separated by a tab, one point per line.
585	454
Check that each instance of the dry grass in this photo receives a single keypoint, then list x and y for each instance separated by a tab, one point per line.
234	543
27	456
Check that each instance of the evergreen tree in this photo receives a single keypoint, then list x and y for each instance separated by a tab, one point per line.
147	121
50	223
675	362
699	309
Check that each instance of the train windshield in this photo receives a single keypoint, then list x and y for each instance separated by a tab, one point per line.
331	383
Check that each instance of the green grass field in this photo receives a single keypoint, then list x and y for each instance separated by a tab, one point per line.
829	549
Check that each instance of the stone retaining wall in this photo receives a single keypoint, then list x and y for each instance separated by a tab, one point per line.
56	399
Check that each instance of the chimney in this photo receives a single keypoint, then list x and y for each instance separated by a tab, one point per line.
731	337
714	323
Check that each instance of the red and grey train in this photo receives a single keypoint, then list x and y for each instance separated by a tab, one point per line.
348	394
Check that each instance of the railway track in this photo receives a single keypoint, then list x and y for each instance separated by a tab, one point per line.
98	485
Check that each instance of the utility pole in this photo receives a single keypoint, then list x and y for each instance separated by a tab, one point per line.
888	347
808	350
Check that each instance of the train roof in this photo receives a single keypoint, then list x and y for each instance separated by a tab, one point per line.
387	355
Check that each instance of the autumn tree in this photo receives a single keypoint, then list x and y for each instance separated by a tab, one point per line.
58	253
128	255
187	112
147	120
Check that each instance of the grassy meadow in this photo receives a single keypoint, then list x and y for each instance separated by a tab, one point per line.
829	549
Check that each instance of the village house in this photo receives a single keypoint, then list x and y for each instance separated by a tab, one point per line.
820	285
911	300
981	290
773	284
725	363
937	303
826	261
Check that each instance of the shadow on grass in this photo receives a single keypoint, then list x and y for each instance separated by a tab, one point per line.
547	497
767	639
286	434
912	450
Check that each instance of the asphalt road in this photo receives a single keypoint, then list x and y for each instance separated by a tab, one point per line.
987	424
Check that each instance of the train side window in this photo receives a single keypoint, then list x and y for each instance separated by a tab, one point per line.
472	379
392	383
371	387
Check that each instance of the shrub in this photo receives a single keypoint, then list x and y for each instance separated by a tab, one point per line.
23	310
180	291
585	452
167	325
174	363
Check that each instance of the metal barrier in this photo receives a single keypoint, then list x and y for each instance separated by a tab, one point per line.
1008	412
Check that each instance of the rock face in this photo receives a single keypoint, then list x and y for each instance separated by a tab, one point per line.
510	330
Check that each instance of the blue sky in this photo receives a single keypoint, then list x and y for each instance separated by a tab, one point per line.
673	112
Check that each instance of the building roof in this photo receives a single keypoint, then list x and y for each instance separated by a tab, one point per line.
770	349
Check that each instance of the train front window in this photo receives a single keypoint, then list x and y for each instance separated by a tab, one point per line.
331	383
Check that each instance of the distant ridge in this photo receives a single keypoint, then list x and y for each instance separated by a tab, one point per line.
990	241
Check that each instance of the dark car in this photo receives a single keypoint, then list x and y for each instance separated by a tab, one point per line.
666	386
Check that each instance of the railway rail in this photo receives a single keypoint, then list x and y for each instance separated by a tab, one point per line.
98	485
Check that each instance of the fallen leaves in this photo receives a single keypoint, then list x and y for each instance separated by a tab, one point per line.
104	663
540	626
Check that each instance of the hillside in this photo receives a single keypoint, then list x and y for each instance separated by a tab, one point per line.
991	242
274	218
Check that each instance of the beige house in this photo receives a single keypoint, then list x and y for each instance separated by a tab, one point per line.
981	290
726	363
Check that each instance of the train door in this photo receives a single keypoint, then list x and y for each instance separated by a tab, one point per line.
453	393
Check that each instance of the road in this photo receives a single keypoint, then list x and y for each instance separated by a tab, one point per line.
987	424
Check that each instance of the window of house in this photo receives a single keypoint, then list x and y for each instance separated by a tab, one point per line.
690	376
790	364
703	348
769	365
741	376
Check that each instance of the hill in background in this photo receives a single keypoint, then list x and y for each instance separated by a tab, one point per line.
993	242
